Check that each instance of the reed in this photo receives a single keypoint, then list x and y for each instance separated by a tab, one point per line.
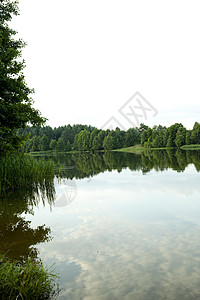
28	280
23	171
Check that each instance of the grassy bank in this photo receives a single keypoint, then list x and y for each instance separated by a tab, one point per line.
132	149
21	171
137	148
29	280
191	147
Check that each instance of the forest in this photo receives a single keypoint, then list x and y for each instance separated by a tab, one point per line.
88	138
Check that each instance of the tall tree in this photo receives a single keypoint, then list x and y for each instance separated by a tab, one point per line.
44	143
98	141
68	146
195	135
132	137
172	130
16	109
188	137
82	141
60	145
53	144
108	143
180	139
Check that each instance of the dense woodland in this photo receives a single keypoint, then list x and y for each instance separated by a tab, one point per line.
88	138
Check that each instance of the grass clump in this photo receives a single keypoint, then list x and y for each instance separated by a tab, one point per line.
28	280
21	171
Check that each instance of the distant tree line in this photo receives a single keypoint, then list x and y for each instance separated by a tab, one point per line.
78	137
88	138
174	136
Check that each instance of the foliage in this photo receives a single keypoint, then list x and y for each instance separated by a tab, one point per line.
53	144
19	171
16	105
77	137
28	280
195	134
82	141
108	143
60	145
87	138
174	136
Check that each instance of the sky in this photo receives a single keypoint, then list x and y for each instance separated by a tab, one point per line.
87	59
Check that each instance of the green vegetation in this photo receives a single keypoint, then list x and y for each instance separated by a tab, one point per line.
88	138
133	149
27	280
15	101
78	138
20	171
32	179
191	147
175	136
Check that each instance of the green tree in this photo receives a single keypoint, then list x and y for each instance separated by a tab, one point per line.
108	143
53	144
34	144
68	146
82	141
170	141
119	138
16	108
93	135
142	127
180	137
144	137
156	143
60	145
44	143
165	137
172	131
132	137
98	141
195	135
188	137
68	134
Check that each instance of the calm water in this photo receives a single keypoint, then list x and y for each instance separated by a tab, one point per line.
121	226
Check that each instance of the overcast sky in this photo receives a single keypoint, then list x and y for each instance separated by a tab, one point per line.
86	59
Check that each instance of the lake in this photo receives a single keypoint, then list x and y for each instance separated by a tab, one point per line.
116	225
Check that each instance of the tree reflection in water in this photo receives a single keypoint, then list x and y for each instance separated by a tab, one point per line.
87	165
18	239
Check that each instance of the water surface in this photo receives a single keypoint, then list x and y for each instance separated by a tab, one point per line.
121	226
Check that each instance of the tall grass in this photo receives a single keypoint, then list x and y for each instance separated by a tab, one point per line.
23	171
28	280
